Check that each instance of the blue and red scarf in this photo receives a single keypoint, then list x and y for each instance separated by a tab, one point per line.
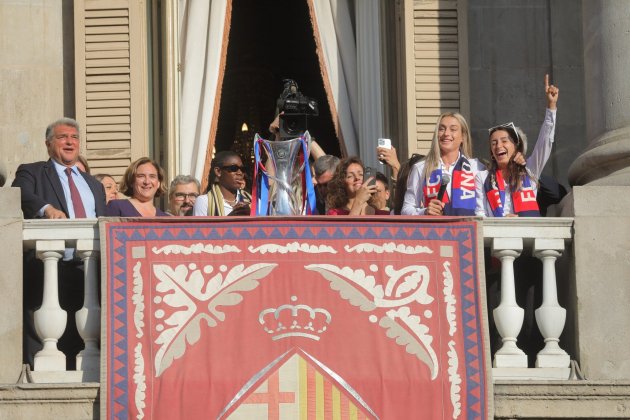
523	200
462	202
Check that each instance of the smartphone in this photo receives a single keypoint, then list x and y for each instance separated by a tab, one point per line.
367	173
386	144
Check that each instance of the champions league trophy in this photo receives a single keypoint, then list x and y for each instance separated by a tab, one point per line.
284	186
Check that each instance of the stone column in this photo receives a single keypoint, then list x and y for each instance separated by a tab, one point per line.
508	316
50	319
550	317
11	285
89	317
606	161
600	198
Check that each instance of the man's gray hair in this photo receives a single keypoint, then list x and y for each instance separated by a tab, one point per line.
182	180
324	164
62	121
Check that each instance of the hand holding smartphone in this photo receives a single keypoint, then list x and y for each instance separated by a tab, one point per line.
367	173
385	144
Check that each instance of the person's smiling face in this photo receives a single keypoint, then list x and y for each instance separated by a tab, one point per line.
111	188
146	182
354	178
183	198
450	135
63	147
502	148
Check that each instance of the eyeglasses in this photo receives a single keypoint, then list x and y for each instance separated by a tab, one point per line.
182	196
509	127
233	168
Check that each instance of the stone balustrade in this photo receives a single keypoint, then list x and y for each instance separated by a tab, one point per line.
546	239
50	239
507	239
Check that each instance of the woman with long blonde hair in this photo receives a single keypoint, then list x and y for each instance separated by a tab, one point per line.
449	160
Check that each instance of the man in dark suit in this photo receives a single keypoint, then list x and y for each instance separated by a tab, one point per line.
45	185
57	189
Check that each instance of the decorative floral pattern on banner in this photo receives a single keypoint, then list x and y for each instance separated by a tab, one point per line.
294	319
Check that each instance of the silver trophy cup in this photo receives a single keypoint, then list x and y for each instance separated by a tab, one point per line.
285	174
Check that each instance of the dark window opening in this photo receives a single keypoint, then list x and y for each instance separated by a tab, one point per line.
270	40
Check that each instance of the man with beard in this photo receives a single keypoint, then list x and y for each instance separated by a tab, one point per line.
182	195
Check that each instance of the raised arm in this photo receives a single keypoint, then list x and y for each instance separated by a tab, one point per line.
551	93
542	150
390	157
316	150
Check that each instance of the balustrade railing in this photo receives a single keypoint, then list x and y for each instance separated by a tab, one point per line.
50	239
546	239
507	239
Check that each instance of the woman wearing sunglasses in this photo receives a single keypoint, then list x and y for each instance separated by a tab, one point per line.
507	189
226	185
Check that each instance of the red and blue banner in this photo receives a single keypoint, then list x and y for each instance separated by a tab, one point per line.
301	318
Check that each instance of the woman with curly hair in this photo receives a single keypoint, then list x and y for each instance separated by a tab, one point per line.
348	192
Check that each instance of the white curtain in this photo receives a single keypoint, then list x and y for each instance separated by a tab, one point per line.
337	40
201	34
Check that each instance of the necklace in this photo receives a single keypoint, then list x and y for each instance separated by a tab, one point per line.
232	203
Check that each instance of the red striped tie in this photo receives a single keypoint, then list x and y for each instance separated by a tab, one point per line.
77	203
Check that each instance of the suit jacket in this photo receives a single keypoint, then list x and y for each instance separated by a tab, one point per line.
40	185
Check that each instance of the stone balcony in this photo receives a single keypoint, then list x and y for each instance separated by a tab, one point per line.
506	240
548	388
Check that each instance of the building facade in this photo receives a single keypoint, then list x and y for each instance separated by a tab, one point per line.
126	70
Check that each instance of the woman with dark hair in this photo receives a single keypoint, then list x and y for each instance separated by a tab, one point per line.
142	182
110	185
507	188
348	192
401	182
226	183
